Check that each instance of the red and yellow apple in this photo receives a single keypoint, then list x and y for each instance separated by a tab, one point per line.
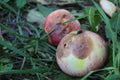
80	52
57	24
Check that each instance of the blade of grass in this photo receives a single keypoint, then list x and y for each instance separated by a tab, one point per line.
36	46
91	72
19	27
16	34
34	66
9	7
108	28
48	48
80	17
45	10
35	29
27	71
11	47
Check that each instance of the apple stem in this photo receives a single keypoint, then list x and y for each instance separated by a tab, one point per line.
80	31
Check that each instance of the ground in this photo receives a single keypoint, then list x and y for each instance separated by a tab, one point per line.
26	53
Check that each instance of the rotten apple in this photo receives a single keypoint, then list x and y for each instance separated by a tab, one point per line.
56	24
80	52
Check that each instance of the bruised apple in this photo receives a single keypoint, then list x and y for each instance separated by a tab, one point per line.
80	52
56	24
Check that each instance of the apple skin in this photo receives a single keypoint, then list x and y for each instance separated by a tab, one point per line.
55	23
81	52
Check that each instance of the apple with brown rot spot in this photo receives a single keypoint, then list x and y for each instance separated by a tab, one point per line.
57	26
80	52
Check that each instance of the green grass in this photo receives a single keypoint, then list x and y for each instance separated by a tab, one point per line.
34	55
